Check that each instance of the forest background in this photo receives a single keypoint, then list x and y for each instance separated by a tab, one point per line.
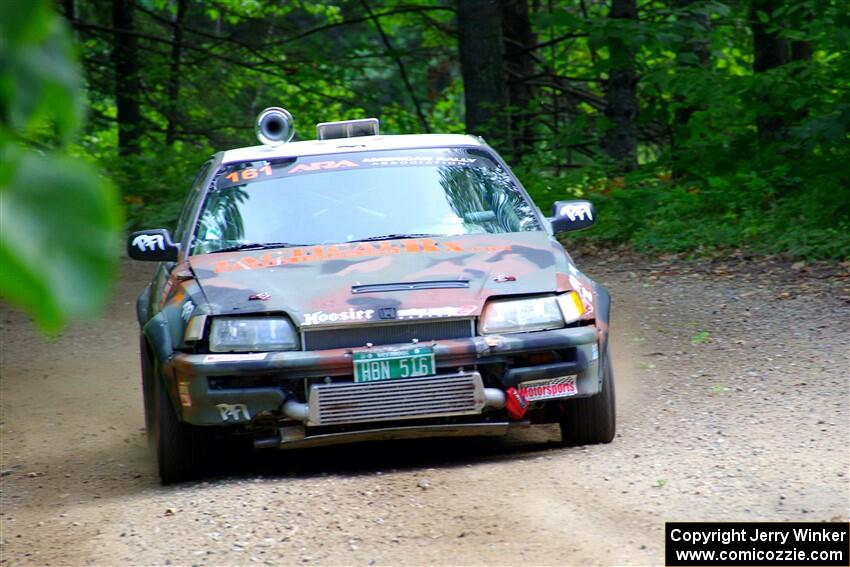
695	126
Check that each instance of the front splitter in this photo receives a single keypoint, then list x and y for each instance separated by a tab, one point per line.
294	437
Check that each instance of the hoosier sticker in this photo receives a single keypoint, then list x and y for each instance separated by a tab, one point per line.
551	388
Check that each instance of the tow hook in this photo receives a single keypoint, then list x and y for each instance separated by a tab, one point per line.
516	405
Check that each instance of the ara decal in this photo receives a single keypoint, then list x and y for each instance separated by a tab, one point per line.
317	165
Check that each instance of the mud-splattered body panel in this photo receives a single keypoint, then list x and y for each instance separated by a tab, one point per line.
424	295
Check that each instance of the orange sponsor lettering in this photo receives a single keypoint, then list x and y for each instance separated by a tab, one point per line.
387	248
365	249
348	251
429	245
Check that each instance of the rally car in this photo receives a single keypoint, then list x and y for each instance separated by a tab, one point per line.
361	287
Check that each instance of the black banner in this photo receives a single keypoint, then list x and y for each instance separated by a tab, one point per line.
757	543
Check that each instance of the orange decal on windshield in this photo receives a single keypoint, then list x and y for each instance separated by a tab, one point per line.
248	174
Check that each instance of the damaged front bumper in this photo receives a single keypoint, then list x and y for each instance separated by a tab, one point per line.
233	389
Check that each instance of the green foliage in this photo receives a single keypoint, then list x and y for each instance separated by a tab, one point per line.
708	178
155	182
60	219
39	82
742	209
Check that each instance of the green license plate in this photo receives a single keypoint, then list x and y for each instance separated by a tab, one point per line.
390	364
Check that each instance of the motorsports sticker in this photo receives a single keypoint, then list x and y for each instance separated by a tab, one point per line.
549	389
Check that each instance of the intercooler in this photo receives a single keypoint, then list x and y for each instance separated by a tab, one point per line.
432	396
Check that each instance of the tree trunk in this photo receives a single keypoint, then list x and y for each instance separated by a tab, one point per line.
480	46
125	55
69	10
696	49
519	64
769	51
423	121
694	53
801	50
173	102
621	93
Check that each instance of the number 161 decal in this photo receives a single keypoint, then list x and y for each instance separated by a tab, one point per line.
248	173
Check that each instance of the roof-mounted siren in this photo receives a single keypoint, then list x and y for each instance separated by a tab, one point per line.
275	126
347	129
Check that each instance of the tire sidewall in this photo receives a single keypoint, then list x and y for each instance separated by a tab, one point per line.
148	389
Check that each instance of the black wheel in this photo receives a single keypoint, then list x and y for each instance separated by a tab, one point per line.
181	449
592	420
147	387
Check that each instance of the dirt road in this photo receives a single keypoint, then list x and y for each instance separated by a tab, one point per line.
733	405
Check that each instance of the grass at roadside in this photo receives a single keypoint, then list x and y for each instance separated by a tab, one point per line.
654	214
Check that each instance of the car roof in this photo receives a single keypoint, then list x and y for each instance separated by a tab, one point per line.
347	145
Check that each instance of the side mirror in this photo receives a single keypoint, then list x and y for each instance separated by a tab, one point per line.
572	215
152	246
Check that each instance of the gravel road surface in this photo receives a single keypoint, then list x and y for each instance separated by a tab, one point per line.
732	384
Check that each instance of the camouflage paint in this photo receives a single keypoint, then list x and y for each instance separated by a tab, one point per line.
319	279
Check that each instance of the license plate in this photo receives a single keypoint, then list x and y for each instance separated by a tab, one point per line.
550	389
391	364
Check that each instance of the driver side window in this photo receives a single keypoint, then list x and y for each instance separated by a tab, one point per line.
188	213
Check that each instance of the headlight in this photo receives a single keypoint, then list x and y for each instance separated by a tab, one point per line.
533	314
240	334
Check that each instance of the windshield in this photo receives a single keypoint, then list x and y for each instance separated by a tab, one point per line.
341	198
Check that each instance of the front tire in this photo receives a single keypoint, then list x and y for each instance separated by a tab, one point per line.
181	448
148	397
587	421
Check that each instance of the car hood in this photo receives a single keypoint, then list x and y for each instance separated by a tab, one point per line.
370	281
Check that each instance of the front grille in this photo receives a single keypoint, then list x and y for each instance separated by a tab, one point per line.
433	396
350	337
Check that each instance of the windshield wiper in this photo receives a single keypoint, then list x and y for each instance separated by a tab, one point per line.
258	246
394	237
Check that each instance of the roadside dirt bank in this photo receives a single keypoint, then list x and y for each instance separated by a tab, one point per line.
733	383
